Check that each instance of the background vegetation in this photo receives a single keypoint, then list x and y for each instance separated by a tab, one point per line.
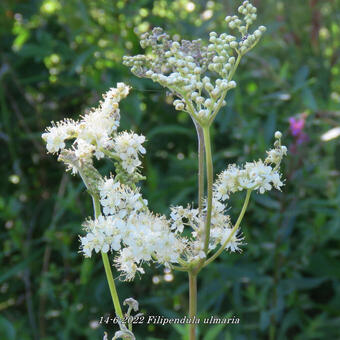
58	56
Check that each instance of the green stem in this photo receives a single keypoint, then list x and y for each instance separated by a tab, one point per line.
200	139
209	166
233	231
192	304
107	267
112	286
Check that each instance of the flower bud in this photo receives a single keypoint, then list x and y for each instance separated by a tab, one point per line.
257	33
278	134
228	19
132	303
231	60
233	44
199	100
232	84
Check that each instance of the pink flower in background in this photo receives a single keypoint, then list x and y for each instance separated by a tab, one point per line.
297	125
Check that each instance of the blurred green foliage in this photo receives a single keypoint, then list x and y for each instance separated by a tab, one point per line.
58	56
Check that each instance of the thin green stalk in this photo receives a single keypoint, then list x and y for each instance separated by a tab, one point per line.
209	166
112	286
108	271
235	228
200	139
192	304
181	269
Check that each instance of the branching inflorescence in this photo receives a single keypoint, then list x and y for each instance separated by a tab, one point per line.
198	75
191	237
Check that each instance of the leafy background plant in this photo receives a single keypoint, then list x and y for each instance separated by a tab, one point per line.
58	56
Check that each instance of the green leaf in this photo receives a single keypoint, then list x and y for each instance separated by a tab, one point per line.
183	330
22	265
214	331
7	330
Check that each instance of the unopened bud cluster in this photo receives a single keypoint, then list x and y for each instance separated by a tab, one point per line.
186	67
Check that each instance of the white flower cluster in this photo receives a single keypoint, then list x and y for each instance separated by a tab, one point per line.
182	66
131	229
127	147
96	132
252	176
103	234
139	236
118	199
220	229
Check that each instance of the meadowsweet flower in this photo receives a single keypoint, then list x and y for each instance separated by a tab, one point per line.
178	214
130	229
56	135
234	242
125	263
103	234
253	176
112	98
256	175
119	199
93	132
195	222
147	237
274	156
128	146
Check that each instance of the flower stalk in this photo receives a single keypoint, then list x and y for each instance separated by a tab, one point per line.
200	147
108	271
233	231
209	169
192	303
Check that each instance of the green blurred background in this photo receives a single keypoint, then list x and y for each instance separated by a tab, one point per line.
58	56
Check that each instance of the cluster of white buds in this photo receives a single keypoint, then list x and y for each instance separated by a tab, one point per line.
249	13
252	176
95	135
183	67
